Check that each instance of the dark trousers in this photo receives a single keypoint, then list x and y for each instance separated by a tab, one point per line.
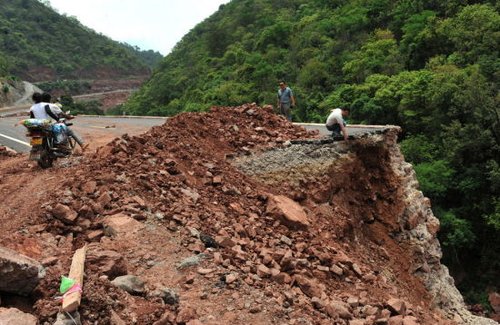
335	128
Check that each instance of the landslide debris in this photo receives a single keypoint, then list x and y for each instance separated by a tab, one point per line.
208	244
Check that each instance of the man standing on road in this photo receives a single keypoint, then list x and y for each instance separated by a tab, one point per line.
286	100
336	123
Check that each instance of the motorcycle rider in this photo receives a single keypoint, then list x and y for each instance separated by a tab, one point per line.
44	109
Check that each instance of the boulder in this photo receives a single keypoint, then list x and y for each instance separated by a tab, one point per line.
19	274
289	212
13	316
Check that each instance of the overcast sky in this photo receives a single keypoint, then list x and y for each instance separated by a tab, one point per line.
149	24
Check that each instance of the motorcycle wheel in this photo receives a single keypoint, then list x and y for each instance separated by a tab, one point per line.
45	160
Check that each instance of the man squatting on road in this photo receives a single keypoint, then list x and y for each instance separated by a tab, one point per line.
285	99
336	123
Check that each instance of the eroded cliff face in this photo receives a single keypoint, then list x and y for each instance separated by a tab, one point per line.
366	197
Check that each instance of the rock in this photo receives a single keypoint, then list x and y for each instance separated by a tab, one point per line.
194	322
204	271
50	261
353	302
339	308
95	235
285	240
191	261
192	194
106	262
64	319
19	274
121	224
357	322
369	310
309	287
129	283
410	320
357	270
225	242
494	299
139	201
396	306
167	318
263	271
64	213
282	278
336	269
289	212
104	199
217	180
89	187
395	320
115	319
230	278
186	314
318	303
169	296
208	241
13	316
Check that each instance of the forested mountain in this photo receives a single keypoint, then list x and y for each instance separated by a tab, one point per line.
38	44
429	66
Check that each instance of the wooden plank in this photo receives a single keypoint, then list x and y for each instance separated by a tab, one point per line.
72	300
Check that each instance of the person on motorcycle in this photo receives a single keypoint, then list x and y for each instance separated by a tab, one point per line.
44	109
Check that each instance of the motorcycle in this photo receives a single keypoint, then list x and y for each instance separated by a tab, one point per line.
49	141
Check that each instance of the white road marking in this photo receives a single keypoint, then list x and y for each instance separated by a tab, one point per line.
15	140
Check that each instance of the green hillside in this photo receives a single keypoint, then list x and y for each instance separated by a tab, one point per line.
38	44
430	66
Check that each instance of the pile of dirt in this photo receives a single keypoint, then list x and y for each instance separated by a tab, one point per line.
214	245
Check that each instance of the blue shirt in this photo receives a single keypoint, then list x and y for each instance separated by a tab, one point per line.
285	95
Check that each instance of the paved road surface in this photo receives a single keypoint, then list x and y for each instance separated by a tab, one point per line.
15	136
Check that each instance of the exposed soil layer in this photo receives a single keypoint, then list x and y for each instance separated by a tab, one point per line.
146	203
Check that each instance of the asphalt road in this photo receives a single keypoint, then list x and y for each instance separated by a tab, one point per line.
13	135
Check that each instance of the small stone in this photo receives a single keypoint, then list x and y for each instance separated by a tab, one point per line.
50	261
129	283
169	296
204	271
285	240
396	306
65	214
337	270
263	271
230	278
338	308
191	261
396	320
357	269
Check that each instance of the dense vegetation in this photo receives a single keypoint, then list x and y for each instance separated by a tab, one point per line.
430	66
38	44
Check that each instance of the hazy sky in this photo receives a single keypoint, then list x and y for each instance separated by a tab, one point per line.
150	24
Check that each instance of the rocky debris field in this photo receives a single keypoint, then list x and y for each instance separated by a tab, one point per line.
179	231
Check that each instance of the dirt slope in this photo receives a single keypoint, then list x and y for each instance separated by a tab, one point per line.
146	203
